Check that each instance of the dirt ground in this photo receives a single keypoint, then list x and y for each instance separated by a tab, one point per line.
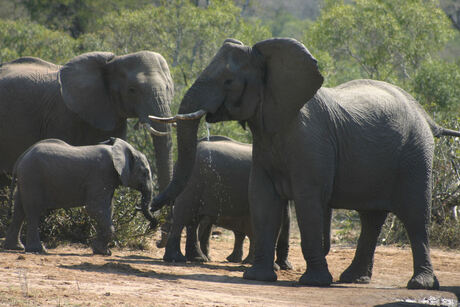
70	275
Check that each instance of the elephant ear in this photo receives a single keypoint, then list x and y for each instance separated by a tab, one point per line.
123	159
85	91
291	79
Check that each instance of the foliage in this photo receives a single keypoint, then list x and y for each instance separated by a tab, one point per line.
25	38
387	40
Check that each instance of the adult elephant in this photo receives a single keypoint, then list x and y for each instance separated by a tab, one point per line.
364	145
84	102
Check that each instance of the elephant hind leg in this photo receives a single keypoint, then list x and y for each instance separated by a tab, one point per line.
282	245
193	251
237	254
424	277
12	240
360	269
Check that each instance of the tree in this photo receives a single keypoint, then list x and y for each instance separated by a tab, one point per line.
389	40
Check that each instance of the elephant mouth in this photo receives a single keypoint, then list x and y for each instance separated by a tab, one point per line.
219	116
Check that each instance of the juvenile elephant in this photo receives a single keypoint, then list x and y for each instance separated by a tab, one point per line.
54	174
218	192
364	145
84	102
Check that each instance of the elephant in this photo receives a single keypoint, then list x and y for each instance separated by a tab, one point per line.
217	193
53	174
83	102
364	145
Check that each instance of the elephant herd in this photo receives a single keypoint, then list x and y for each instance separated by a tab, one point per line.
364	145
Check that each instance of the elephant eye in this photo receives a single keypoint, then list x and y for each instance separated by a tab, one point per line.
228	82
131	90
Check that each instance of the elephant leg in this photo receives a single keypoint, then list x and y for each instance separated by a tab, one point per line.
33	244
13	235
193	252
204	234
250	257
172	250
310	203
266	209
165	228
237	254
360	269
282	246
104	227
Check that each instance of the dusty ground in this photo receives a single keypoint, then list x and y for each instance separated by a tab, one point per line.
71	275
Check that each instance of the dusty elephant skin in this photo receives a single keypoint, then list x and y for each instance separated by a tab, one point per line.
217	193
364	145
83	102
54	174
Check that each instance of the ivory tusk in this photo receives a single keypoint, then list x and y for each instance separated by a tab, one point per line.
188	116
155	132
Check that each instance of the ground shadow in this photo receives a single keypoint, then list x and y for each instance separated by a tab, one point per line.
126	269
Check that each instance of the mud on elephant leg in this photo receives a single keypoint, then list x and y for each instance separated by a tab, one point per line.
360	269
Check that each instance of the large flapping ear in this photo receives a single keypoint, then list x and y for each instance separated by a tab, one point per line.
122	156
291	79
85	91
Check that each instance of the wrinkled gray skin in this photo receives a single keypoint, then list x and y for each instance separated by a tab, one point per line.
218	192
364	145
83	102
53	174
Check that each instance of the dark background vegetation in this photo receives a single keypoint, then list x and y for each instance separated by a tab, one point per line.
414	44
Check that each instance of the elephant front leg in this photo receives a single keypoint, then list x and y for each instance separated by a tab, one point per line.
310	203
193	252
237	254
104	227
282	245
33	243
172	250
266	211
360	270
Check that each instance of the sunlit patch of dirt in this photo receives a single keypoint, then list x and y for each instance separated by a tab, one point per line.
71	275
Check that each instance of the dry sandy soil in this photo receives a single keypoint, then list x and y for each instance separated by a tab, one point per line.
71	275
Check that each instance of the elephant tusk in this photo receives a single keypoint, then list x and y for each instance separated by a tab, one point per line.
189	116
155	132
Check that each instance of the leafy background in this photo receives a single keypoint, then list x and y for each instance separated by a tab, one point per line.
413	44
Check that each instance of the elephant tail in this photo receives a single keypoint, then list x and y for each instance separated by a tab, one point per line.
449	132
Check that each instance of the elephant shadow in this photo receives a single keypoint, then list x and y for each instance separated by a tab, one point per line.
124	267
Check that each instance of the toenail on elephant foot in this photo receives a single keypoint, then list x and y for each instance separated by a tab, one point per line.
316	277
423	281
284	265
260	274
176	257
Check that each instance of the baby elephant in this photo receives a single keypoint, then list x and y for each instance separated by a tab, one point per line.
54	174
218	193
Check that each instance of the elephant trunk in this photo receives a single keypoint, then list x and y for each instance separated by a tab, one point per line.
186	142
146	201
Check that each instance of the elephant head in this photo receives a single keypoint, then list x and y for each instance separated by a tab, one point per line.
265	85
104	89
133	170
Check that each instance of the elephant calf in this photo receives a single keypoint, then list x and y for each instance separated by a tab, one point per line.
54	174
218	192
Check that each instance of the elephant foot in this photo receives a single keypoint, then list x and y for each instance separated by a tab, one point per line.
284	265
257	273
174	257
17	246
248	260
196	256
423	281
40	249
316	277
235	257
163	241
102	251
354	275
